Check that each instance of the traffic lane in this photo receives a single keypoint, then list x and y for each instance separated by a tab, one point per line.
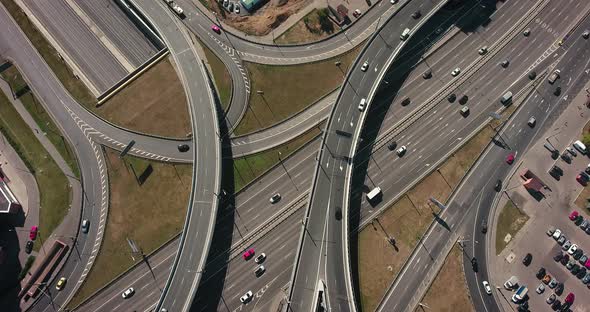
120	30
279	245
97	62
140	277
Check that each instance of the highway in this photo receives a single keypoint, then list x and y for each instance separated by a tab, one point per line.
200	220
548	108
323	252
15	47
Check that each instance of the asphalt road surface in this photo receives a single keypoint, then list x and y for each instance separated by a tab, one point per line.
546	107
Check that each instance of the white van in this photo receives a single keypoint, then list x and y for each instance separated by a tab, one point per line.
511	283
580	146
373	194
362	104
506	98
405	34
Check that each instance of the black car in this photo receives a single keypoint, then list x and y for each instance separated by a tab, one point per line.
498	186
578	254
566	157
559	289
527	259
474	264
452	97
575	269
564	260
427	74
532	75
558	257
541	273
484	226
392	145
556	305
579	220
557	91
406	101
557	169
417	14
581	273
183	148
29	247
463	99
588	230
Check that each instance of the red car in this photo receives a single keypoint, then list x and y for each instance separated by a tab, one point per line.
216	29
587	264
510	158
248	254
574	215
570	298
33	233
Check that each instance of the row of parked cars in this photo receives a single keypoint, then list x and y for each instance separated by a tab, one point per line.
558	287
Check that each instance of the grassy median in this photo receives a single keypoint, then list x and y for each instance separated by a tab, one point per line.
41	117
150	214
314	26
287	90
407	220
221	77
510	221
449	292
54	188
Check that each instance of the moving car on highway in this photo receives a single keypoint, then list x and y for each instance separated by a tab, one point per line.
128	293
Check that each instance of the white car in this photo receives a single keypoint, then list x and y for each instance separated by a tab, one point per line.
401	151
540	289
128	293
483	50
365	66
393	1
456	72
572	249
260	258
275	198
237	8
246	297
572	151
557	234
486	287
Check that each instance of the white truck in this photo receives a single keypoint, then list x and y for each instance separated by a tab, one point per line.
511	283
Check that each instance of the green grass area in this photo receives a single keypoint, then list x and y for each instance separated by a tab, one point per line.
76	88
150	214
221	76
290	89
314	26
248	168
54	188
510	221
41	117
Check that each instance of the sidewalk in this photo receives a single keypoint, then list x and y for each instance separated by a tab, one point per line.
549	211
69	226
294	18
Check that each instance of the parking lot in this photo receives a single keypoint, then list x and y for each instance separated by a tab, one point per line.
550	210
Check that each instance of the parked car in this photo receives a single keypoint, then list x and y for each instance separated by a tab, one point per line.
33	232
128	293
583	259
561	240
572	249
248	254
556	305
581	180
566	245
586	278
246	297
553	283
541	273
546	279
579	219
565	259
570	298
557	234
578	254
559	289
357	13
551	299
571	151
558	257
550	231
574	214
570	264
581	273
527	259
29	247
575	269
540	289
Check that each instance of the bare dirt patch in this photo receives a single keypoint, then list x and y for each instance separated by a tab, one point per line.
448	292
154	103
315	26
262	21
